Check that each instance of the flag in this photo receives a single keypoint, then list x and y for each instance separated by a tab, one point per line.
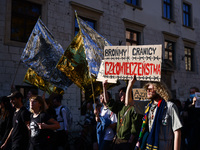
82	58
32	78
94	45
42	53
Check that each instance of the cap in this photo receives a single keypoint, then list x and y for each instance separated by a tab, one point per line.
15	94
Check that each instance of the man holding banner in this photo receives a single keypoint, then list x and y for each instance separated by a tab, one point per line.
128	121
161	127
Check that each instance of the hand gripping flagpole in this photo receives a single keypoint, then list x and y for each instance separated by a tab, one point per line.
86	58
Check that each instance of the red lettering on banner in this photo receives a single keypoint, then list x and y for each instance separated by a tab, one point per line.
112	68
140	70
147	69
157	68
132	68
107	64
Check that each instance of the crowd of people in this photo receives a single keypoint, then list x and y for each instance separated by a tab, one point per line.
35	124
41	124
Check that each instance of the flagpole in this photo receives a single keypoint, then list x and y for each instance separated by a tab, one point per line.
93	91
15	75
85	54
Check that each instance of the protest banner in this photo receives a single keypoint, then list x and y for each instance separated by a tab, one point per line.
139	94
122	62
197	104
100	77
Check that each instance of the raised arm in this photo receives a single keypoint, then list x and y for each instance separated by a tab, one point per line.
128	97
105	94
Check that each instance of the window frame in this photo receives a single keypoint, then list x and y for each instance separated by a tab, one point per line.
137	2
191	56
168	64
134	26
137	6
25	19
138	41
7	38
189	14
76	29
85	12
171	9
169	50
190	44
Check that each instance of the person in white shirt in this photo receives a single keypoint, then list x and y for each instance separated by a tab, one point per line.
62	132
106	124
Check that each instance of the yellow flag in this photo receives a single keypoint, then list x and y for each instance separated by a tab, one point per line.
73	63
32	78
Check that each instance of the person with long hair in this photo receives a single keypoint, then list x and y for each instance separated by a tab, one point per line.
106	124
41	125
161	127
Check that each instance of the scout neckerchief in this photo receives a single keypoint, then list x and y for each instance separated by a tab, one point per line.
121	120
152	140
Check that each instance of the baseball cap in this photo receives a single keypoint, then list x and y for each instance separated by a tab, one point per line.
15	94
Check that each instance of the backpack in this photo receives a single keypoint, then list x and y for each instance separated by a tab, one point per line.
68	116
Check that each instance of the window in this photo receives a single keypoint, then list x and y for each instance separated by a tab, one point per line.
133	32
169	50
24	16
90	22
133	2
188	58
132	37
167	9
186	15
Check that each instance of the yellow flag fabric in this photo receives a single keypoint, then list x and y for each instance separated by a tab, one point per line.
33	78
73	63
82	58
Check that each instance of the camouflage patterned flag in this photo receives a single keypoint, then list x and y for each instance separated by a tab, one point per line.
42	53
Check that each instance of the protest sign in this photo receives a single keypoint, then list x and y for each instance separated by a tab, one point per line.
122	62
100	77
139	94
197	104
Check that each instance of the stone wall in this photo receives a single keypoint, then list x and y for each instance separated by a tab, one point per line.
58	15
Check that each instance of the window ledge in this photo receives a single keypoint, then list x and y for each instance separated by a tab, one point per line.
169	20
86	7
190	71
188	27
134	6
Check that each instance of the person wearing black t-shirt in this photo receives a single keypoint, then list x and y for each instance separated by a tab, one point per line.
19	133
41	126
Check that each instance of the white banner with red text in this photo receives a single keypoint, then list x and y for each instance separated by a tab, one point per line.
122	62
